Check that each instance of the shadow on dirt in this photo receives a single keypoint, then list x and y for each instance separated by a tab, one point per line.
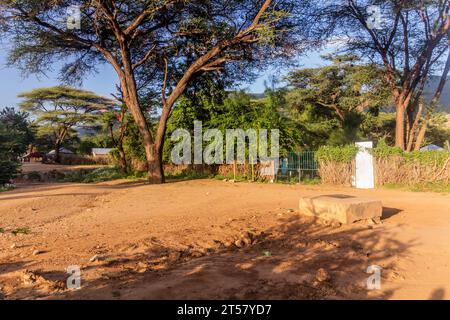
300	258
438	294
389	212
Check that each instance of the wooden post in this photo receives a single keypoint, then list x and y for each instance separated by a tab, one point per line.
252	168
253	172
234	170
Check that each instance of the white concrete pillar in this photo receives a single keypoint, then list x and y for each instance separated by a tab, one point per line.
364	177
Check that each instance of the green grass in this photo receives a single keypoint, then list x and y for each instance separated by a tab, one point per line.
231	177
311	181
426	187
24	230
188	175
6	188
100	175
2	230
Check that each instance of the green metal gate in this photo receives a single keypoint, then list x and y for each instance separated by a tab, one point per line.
298	166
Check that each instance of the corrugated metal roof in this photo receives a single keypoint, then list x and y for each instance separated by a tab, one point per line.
101	151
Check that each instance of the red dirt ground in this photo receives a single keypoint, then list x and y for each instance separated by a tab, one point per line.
178	240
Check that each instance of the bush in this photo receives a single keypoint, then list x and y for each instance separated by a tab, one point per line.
34	176
431	158
382	150
100	175
91	176
8	171
6	187
342	154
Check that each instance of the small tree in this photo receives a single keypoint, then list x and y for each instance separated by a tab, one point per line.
116	122
17	127
60	110
15	136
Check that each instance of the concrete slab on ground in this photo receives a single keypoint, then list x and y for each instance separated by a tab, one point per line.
342	208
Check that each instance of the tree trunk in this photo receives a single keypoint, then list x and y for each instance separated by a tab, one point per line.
57	155
415	126
155	164
400	126
122	160
153	154
421	135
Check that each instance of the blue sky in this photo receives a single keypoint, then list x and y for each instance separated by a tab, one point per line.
12	82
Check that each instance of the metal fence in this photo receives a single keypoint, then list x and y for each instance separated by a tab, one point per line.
298	166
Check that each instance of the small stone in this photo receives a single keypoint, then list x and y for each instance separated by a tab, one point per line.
141	267
94	258
227	244
335	224
289	210
28	277
267	253
36	252
197	254
174	255
239	243
376	220
13	246
322	275
247	240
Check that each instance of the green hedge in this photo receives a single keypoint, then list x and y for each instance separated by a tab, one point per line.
347	154
382	150
341	154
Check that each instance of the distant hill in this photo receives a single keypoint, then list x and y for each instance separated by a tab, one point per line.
256	96
445	97
430	88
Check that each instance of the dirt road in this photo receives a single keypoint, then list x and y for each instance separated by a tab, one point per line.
213	239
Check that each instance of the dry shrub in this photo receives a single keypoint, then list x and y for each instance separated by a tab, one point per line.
137	165
391	165
387	170
224	170
338	173
337	164
400	170
394	166
73	159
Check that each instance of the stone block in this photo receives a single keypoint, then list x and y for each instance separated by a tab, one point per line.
345	209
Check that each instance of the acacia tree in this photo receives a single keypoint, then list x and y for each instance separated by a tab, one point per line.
158	44
59	110
409	42
344	87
